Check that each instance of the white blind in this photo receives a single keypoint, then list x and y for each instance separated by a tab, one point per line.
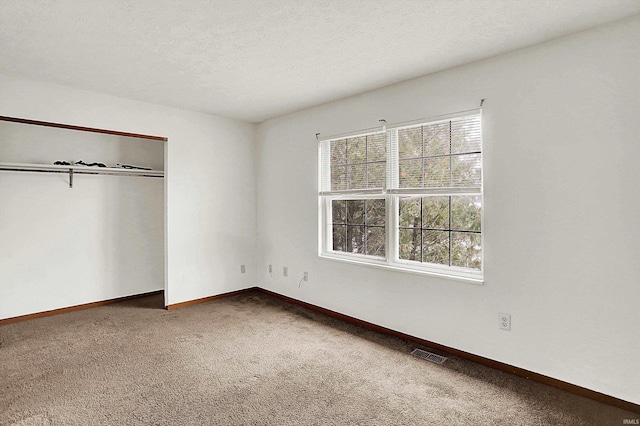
354	164
444	154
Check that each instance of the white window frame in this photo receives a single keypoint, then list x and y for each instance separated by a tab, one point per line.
392	195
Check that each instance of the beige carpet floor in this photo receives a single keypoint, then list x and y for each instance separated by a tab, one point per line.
253	360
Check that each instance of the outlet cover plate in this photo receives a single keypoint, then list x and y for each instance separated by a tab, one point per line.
504	321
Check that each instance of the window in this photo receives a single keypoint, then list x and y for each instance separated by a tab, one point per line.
408	197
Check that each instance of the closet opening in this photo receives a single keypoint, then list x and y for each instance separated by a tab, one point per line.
82	217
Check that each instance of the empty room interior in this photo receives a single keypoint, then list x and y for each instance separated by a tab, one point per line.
319	212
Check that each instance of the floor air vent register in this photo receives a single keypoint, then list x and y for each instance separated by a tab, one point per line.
428	356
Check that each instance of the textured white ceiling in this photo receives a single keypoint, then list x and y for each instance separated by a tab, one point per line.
257	59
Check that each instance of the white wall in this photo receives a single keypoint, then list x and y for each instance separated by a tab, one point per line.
61	247
561	237
210	198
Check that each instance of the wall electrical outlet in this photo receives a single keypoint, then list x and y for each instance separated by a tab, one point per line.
504	321
243	269
285	271
306	277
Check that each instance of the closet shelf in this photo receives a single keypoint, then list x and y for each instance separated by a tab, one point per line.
52	168
79	170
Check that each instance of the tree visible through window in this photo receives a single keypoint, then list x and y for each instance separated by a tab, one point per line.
442	230
358	226
358	162
417	187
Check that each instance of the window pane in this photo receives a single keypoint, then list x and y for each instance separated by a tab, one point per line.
410	244
467	170
435	212
410	142
355	239
339	211
355	212
376	147
375	212
358	162
375	241
339	237
437	172
466	212
339	152
411	173
466	135
357	176
436	139
376	175
435	247
357	150
410	213
338	178
466	250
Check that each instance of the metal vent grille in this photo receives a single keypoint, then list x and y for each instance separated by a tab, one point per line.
428	356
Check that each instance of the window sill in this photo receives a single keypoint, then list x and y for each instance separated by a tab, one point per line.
371	262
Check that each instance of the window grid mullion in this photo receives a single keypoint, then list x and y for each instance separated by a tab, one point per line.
422	155
366	164
450	158
422	152
450	241
427	157
450	184
364	221
422	228
462	231
346	165
374	162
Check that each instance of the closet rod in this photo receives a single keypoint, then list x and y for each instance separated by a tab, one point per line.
75	170
145	173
